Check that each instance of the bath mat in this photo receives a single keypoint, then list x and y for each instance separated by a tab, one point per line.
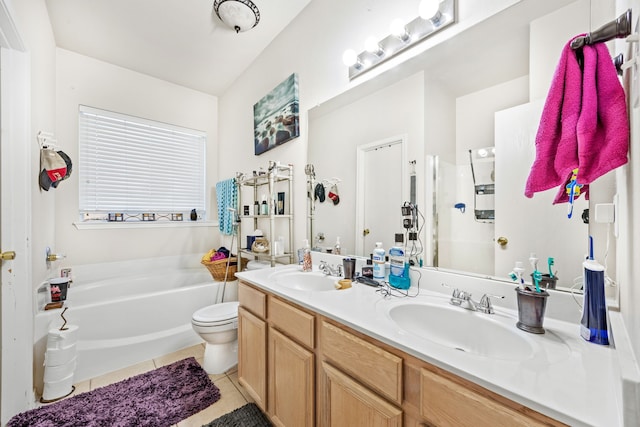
157	398
248	415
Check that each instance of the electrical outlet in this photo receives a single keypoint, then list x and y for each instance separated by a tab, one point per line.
605	213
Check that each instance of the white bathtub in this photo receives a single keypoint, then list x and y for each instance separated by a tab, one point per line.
128	319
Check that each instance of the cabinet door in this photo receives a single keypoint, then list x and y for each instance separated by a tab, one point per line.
347	403
291	382
252	356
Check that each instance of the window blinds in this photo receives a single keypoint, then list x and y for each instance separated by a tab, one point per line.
132	165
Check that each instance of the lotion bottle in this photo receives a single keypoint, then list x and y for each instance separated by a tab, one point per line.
306	257
378	262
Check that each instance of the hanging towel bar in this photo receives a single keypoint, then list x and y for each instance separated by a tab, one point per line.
619	28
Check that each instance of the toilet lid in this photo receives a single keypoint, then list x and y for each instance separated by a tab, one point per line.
217	312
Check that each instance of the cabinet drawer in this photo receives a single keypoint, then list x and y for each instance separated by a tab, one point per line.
445	402
252	299
372	366
294	322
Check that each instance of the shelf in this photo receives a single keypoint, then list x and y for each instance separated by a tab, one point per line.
487	214
273	182
265	216
485	189
264	254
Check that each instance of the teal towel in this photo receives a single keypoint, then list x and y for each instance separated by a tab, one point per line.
227	196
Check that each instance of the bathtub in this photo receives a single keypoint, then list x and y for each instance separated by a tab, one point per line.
130	318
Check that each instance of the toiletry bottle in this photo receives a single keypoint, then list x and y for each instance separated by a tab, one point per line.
336	248
367	270
256	208
397	277
378	262
593	326
306	257
264	207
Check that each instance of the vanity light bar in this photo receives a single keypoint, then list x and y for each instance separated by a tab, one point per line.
416	31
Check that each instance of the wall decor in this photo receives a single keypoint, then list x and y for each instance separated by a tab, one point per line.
276	116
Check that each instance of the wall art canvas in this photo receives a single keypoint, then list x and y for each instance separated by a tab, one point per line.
276	117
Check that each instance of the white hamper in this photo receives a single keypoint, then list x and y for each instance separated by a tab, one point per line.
59	363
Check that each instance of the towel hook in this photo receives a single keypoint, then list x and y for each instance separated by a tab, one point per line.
619	28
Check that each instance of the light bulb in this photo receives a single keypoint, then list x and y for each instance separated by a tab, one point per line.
349	57
428	8
398	29
371	45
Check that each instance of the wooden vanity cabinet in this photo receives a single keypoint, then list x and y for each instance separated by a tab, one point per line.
276	362
303	369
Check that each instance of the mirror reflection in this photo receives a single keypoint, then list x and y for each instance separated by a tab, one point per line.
467	112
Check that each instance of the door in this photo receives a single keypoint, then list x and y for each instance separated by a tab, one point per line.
16	321
380	194
522	221
291	382
252	356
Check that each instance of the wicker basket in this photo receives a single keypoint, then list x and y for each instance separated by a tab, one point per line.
218	268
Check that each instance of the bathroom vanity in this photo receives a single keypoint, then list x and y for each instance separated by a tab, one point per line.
320	356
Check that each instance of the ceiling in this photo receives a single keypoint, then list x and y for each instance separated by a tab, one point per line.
180	41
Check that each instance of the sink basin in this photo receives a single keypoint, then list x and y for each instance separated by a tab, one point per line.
306	281
464	330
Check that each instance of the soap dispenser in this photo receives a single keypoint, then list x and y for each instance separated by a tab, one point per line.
336	248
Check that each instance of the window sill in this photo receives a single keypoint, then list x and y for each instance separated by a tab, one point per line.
100	225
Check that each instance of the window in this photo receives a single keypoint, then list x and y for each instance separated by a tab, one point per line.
138	169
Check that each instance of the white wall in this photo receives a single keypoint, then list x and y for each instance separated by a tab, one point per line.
628	180
86	81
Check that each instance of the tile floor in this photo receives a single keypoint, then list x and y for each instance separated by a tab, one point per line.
232	393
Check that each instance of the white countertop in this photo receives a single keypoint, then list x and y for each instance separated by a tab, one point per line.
570	380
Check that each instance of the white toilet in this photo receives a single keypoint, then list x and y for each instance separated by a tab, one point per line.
217	325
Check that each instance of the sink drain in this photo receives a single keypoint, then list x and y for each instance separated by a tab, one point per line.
460	349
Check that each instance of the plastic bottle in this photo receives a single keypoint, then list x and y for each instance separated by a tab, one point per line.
593	326
378	261
264	207
336	248
306	257
398	274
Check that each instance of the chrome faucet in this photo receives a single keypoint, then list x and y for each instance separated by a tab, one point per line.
463	299
330	271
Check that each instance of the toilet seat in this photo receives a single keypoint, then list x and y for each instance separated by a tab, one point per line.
222	314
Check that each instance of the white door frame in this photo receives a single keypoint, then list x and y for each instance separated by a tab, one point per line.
16	322
361	150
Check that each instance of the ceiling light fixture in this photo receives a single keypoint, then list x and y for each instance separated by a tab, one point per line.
433	16
241	15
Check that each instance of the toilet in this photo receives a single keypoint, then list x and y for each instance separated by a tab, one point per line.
217	325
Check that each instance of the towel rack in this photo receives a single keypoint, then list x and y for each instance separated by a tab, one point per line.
619	28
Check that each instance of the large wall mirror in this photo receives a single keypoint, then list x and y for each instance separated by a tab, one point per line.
467	111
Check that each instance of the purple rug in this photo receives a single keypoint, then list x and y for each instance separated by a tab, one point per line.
161	397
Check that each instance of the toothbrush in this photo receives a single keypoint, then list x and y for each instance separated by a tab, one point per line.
550	262
536	274
536	279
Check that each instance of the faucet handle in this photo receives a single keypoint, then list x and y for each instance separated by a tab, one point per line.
485	303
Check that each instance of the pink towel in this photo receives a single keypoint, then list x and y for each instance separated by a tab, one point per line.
584	123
